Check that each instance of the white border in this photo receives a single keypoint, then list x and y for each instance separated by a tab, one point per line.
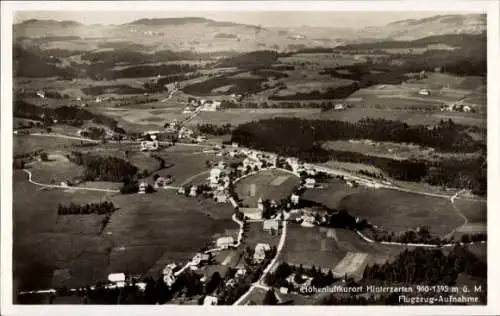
491	7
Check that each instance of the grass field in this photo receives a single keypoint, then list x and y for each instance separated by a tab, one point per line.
312	246
27	144
44	241
399	211
475	211
57	169
143	231
262	183
152	228
239	116
332	195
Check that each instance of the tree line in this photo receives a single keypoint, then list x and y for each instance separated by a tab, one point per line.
213	129
101	208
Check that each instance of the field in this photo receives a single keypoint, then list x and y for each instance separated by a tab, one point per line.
239	116
26	144
339	250
145	229
44	241
261	185
389	209
396	151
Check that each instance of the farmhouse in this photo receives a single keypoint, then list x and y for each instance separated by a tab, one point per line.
185	132
210	106
147	145
220	197
270	225
41	94
181	190
200	258
117	278
294	198
162	182
241	271
339	106
294	163
251	212
466	108
310	183
142	187
194	191
233	202
225	242
215	174
260	252
424	92
252	163
210	300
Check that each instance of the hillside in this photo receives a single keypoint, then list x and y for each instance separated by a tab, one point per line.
437	25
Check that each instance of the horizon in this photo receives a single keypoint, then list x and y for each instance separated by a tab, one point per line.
271	19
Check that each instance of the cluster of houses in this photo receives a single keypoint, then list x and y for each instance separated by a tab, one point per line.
457	107
203	105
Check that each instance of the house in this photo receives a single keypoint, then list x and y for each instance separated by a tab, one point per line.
252	163
168	274
215	174
200	258
162	182
233	202
185	132
270	225
339	106
148	145
181	190
294	163
220	197
117	278
310	183
466	108
260	252
234	145
424	92
308	221
210	106
254	213
230	283
200	139
240	272
142	187
283	290
194	191
294	198
210	300
225	242
64	184
41	94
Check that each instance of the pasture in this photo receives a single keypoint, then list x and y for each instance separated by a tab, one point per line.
339	250
58	168
397	211
44	241
249	189
25	144
240	116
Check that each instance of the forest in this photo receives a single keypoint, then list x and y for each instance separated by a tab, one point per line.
213	129
303	140
99	168
252	60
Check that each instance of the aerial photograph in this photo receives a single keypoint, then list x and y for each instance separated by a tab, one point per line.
249	158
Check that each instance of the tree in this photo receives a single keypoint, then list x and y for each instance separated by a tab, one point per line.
44	156
270	298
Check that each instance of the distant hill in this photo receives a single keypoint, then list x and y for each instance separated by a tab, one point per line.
169	21
411	29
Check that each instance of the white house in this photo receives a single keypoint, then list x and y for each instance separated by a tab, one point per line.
234	145
283	290
260	252
41	94
240	272
210	300
466	108
117	278
295	198
225	242
200	258
181	190
220	197
339	106
270	225
424	92
307	221
310	183
142	187
294	163
148	145
252	163
215	174
210	106
254	213
194	191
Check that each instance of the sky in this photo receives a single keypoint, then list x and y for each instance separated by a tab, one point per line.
264	18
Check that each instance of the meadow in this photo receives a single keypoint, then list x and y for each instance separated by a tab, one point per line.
251	188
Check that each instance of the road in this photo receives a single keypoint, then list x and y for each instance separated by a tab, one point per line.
259	283
55	186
